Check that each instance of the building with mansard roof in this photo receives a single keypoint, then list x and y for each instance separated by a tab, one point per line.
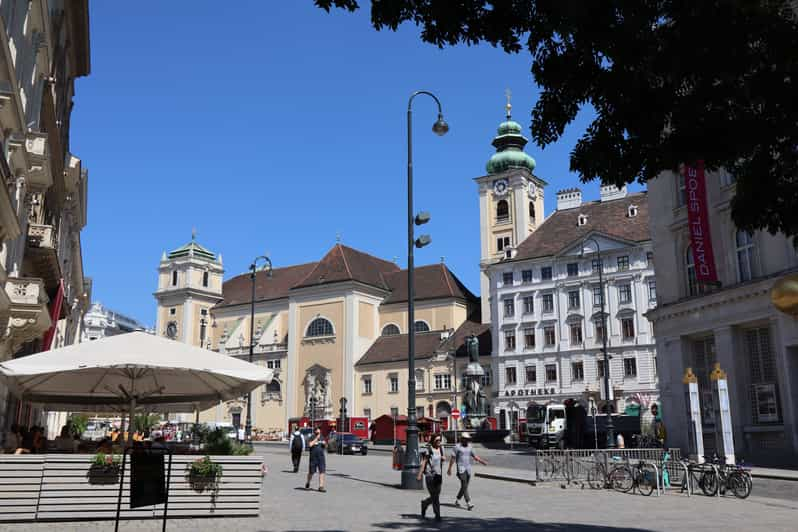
313	324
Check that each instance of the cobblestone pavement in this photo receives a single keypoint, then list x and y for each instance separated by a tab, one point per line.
363	495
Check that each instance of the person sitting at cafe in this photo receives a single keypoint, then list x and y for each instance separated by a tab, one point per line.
65	442
32	441
13	438
105	446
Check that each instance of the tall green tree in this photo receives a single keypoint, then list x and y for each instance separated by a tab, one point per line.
671	81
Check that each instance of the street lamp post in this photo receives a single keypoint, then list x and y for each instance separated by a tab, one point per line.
610	424
253	270
412	463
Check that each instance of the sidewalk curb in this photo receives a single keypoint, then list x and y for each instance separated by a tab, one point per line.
771	476
517	480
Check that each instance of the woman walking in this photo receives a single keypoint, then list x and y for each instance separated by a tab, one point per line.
432	469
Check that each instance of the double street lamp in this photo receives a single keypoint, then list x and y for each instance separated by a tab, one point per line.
253	269
412	463
610	424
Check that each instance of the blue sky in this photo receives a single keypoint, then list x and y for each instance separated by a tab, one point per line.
273	127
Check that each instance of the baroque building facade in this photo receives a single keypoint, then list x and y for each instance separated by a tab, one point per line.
44	47
313	323
732	323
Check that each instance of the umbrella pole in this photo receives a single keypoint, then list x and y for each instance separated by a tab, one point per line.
130	422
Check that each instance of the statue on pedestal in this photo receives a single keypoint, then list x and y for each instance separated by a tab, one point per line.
474	397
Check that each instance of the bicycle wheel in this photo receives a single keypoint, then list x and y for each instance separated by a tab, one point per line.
596	478
708	482
739	484
646	479
621	478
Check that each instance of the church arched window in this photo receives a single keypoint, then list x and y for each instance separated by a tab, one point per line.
502	211
531	211
174	277
319	327
421	326
205	279
390	330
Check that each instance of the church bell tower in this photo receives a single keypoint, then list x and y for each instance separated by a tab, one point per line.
189	284
510	201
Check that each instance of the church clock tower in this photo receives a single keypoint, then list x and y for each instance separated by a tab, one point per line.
189	284
510	201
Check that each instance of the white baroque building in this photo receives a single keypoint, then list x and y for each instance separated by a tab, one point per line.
101	321
545	302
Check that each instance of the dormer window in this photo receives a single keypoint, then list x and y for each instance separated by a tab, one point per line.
581	220
631	212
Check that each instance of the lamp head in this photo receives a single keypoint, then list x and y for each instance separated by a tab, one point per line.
440	127
423	240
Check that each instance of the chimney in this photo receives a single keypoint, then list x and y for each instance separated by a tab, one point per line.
611	192
569	198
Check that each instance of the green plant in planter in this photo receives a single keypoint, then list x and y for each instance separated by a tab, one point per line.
203	474
104	469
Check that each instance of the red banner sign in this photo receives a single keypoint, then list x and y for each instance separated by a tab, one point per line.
698	222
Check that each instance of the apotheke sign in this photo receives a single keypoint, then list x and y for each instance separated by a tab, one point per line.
532	391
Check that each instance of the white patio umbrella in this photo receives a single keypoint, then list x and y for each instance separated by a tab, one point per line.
130	370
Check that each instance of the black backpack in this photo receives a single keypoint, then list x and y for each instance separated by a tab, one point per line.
296	443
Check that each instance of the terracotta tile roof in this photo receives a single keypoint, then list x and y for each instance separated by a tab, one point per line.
432	282
394	348
456	342
238	290
560	230
343	263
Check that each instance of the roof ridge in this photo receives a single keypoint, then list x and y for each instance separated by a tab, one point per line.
369	255
444	269
346	262
247	273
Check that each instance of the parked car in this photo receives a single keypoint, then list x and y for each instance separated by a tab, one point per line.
351	444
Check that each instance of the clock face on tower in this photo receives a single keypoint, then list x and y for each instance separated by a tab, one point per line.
500	187
171	330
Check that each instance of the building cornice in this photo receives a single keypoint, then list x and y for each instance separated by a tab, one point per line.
729	295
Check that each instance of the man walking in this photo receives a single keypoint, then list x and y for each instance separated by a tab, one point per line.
297	445
317	459
462	454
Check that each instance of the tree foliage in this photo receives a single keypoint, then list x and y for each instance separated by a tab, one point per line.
671	81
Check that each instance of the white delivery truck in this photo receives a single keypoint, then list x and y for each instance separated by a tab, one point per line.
545	425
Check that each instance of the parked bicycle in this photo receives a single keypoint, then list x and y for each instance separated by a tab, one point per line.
641	477
598	475
705	476
732	477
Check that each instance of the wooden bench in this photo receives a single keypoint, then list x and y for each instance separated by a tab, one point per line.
55	487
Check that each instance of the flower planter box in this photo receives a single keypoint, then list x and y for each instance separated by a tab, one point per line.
103	474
